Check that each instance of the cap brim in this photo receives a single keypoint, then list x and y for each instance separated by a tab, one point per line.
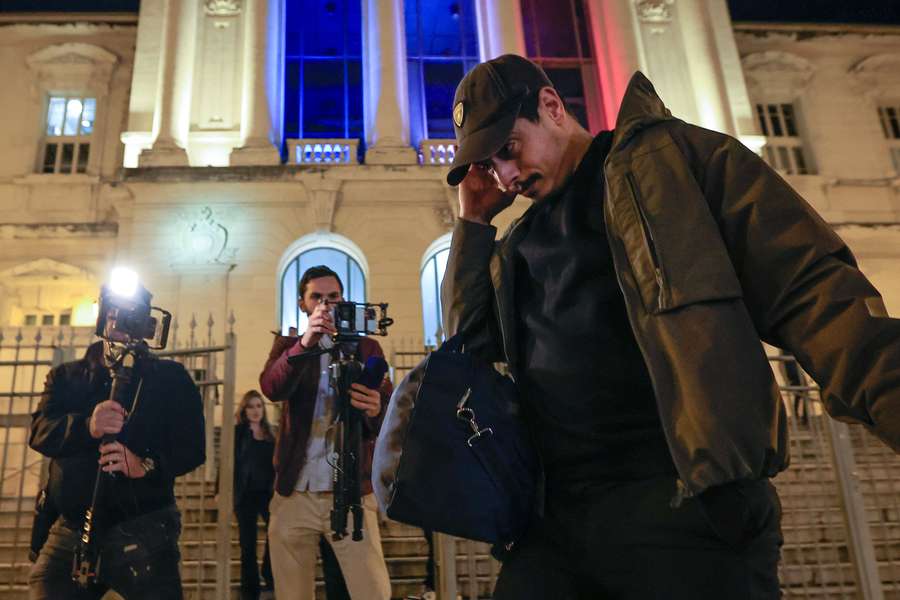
480	145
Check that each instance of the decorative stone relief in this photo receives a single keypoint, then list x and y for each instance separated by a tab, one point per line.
323	202
777	76
878	76
222	8
201	240
654	11
84	68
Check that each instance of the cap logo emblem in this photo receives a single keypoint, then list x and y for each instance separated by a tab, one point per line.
459	114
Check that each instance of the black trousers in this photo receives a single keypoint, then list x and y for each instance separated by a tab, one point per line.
253	505
138	559
626	541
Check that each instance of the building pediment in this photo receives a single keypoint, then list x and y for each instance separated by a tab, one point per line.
878	76
777	76
72	68
43	269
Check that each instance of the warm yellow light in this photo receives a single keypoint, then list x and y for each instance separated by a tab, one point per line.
85	313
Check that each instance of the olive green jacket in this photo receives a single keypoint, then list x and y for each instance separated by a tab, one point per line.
713	252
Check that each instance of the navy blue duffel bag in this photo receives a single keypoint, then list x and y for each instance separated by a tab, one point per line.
453	454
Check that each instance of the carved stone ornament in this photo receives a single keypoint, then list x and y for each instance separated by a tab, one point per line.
777	76
222	8
654	11
201	240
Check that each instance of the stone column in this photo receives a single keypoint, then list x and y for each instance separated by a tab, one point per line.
613	28
256	120
386	100
169	122
499	28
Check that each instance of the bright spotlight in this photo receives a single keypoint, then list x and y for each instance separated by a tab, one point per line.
123	282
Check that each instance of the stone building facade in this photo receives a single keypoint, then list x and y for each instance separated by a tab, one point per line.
180	166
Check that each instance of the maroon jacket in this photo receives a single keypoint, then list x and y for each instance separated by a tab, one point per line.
298	385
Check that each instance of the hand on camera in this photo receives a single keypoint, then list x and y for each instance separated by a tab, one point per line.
117	458
107	419
321	323
480	196
365	399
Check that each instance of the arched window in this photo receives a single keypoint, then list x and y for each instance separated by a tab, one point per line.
441	46
433	265
336	253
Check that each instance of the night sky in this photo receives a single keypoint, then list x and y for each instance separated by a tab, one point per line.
886	12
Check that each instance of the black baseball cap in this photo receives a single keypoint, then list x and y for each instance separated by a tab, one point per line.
486	105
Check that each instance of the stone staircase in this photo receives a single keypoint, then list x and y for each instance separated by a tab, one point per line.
404	547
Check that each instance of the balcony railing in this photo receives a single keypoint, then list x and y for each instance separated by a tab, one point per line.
437	152
323	151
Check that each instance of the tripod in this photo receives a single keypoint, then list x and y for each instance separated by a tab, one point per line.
86	563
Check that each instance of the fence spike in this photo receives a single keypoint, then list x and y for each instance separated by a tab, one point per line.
38	337
2	337
60	337
19	338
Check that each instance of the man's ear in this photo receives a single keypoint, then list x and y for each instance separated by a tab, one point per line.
552	105
302	305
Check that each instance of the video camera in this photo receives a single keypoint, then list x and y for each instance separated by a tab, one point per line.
125	314
356	319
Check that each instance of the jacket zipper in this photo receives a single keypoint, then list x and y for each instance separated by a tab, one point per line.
651	244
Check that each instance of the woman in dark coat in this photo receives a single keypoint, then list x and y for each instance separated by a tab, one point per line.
254	478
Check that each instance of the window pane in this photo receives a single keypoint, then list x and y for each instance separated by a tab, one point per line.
354	100
775	119
580	18
292	99
323	27
68	154
55	113
441	79
430	303
788	111
65	319
47	320
87	117
289	295
357	283
84	151
31	319
323	98
441	34
73	116
554	28
50	158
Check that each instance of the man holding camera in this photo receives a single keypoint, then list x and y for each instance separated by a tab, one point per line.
141	447
629	302
304	463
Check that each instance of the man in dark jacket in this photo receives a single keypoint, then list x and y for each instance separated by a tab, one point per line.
629	302
136	522
303	465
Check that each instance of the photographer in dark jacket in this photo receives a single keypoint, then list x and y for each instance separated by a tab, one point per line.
136	523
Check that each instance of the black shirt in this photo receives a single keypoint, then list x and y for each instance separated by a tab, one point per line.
261	473
582	376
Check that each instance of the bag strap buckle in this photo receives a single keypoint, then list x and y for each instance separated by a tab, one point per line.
467	414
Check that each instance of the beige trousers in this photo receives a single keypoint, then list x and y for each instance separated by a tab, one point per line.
295	524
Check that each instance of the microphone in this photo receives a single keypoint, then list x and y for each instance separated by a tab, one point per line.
373	373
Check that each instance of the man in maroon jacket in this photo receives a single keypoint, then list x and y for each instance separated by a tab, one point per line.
303	473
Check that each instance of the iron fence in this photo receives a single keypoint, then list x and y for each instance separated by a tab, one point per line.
27	355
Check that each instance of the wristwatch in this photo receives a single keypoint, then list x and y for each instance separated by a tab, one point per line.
148	464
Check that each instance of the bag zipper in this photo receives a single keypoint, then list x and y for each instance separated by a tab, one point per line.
650	243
